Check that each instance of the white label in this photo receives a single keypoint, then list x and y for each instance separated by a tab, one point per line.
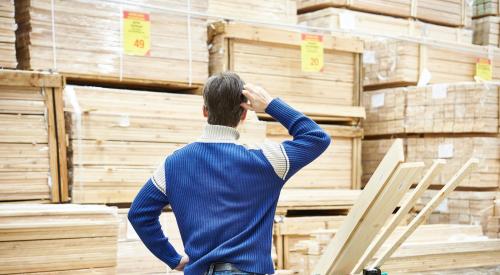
369	57
131	234
378	100
445	151
124	120
439	91
443	206
425	78
347	20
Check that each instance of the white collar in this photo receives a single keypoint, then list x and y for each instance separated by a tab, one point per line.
219	134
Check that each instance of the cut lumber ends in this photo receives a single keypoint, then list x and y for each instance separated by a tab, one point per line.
277	11
56	238
451	184
32	138
483	8
8	36
448	13
65	39
271	57
371	26
487	31
116	145
466	107
404	63
455	149
337	168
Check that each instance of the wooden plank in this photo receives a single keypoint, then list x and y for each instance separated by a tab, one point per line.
445	191
281	11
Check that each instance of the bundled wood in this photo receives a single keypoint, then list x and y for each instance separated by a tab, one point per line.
396	63
485	7
448	13
441	108
277	11
487	30
338	167
7	35
85	42
30	117
272	58
116	145
369	26
316	199
57	238
456	149
493	222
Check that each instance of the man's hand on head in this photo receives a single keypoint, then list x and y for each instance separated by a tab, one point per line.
258	98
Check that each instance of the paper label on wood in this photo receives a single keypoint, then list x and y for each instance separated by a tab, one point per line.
312	53
136	33
378	100
445	151
347	20
439	91
484	70
425	78
443	206
369	57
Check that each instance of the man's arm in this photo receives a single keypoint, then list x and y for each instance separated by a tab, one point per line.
309	140
144	216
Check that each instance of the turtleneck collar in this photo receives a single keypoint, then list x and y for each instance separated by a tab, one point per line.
219	133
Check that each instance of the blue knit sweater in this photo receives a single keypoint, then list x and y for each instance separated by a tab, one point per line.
224	194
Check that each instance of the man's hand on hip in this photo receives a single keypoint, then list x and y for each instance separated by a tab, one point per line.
184	261
258	98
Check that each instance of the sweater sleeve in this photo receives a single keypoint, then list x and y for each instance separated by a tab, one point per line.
144	216
309	140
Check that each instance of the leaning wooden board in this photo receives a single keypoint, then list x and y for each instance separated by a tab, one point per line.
271	57
337	167
466	107
115	145
402	63
88	42
372	26
31	116
449	13
455	149
7	35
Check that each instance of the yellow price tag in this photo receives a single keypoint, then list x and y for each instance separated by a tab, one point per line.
311	50
484	69
136	33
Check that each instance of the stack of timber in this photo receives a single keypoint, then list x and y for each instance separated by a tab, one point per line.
58	239
487	31
483	8
338	167
7	35
395	63
456	13
271	57
493	222
31	116
115	145
74	46
370	26
461	207
277	11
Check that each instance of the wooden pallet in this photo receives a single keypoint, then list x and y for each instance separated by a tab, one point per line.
32	143
271	57
277	11
371	26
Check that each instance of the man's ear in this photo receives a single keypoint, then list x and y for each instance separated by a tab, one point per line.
243	115
205	111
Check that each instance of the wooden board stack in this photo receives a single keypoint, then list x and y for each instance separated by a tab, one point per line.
455	13
493	222
119	143
485	7
277	11
88	42
487	31
7	35
30	108
371	26
271	57
58	239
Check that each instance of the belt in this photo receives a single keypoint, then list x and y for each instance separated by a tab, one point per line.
221	267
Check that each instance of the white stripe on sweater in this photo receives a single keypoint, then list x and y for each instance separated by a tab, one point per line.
275	153
158	177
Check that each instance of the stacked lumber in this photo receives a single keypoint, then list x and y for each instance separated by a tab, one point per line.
449	13
277	11
485	7
7	35
487	30
398	63
455	149
316	199
338	167
466	107
271	57
84	52
369	26
30	105
60	239
116	145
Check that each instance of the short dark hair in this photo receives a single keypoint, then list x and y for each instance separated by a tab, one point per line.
222	95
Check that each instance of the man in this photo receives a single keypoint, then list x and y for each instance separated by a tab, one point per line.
222	193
